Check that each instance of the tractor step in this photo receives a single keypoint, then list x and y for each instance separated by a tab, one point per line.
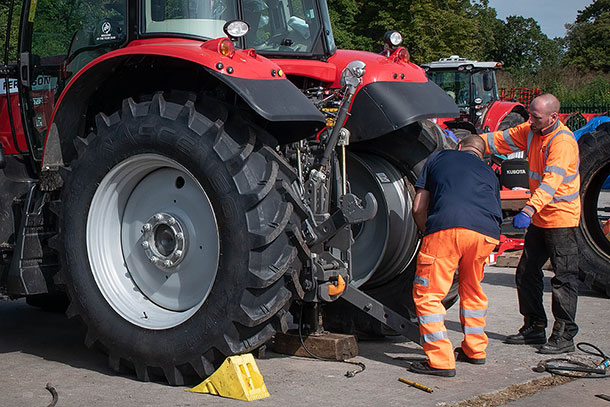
326	345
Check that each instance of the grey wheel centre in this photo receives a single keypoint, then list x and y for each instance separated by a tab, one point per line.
152	241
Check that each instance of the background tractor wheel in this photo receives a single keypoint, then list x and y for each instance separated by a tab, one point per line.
594	229
176	234
511	120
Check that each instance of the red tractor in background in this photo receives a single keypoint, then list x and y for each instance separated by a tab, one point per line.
188	173
473	87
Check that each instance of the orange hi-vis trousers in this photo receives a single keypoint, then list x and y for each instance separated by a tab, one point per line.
441	254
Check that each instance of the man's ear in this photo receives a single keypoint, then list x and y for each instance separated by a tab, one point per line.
554	116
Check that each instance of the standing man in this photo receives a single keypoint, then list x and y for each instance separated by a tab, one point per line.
554	212
457	206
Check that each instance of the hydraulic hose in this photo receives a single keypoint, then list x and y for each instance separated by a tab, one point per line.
572	368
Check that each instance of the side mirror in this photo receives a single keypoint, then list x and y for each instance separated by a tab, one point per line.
157	10
488	81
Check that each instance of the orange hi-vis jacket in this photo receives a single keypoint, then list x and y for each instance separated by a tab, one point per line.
554	180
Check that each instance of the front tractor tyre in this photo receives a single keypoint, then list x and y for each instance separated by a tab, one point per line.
175	231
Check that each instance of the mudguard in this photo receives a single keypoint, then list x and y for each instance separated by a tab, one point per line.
499	110
393	94
255	78
382	107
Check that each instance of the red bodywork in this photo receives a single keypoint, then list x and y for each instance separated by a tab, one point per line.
379	68
43	105
496	113
245	64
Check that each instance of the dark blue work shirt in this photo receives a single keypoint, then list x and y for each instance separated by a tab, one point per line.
464	193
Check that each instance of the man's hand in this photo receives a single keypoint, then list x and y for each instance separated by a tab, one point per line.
521	220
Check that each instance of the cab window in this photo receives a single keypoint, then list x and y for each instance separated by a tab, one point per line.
199	18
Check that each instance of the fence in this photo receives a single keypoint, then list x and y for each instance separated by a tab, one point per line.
574	115
578	114
521	95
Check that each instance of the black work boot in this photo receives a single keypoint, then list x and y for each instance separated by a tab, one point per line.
425	368
462	357
532	334
558	342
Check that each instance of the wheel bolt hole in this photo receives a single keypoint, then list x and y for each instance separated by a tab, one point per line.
179	183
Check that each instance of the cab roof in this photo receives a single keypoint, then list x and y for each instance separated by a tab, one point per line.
455	62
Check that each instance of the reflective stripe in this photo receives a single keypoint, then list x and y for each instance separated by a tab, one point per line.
547	188
435	336
473	330
566	198
530	136
491	143
546	153
567	180
427	319
473	313
535	175
421	281
556	170
509	140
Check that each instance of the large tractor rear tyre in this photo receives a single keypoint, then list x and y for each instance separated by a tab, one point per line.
175	229
594	230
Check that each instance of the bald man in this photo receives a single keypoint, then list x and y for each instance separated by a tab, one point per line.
457	206
551	217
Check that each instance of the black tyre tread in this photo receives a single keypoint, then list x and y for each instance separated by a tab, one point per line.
594	268
255	175
511	120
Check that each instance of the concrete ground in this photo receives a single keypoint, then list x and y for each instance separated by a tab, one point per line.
37	348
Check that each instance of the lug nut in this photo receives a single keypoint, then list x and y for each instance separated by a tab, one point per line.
146	228
158	217
168	263
145	245
179	236
178	253
154	259
171	221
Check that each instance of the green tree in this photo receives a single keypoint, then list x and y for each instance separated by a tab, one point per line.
345	16
524	48
588	38
14	34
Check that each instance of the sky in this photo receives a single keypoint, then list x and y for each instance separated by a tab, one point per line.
551	15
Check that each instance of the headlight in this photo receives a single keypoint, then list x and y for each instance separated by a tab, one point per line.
236	29
392	38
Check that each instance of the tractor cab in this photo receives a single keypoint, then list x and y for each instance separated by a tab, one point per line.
471	84
59	38
473	87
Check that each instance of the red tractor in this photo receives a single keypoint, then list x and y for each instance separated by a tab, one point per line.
472	85
182	172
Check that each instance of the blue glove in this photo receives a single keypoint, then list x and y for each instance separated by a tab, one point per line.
521	220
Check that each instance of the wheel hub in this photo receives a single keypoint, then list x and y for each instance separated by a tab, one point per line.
164	241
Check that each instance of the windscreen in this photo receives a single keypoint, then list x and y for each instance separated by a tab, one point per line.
455	83
200	18
276	26
282	26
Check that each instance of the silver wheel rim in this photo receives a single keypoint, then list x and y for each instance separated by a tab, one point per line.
152	241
